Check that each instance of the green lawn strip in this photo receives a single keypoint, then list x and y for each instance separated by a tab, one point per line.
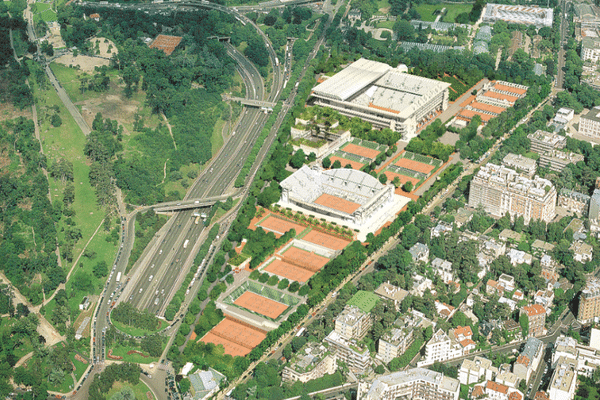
121	351
217	136
304	232
79	366
426	11
386	24
48	309
49	16
133	331
140	390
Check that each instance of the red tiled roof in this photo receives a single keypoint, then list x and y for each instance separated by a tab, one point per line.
487	107
469	114
477	391
534	310
497	387
463	330
468	342
523	360
500	96
515	396
504	88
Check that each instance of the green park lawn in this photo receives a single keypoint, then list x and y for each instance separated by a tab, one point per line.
65	386
133	331
386	24
79	366
121	351
140	390
427	11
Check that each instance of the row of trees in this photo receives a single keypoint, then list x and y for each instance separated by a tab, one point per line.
127	314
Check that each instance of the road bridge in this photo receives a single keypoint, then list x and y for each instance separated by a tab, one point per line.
251	102
188	204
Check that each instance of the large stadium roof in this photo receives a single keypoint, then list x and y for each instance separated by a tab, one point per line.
352	79
308	185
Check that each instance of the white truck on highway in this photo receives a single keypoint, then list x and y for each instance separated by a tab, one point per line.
185	244
119	277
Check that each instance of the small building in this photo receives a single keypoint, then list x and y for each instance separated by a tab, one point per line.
507	378
492	287
388	291
582	251
463	216
507	281
520	164
519	257
497	391
441	229
443	268
85	303
541	246
564	115
95	17
205	383
508	234
420	285
472	371
444	310
419	252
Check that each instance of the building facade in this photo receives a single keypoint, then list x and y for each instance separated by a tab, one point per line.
352	323
574	201
416	384
590	49
536	315
473	371
589	124
589	302
500	190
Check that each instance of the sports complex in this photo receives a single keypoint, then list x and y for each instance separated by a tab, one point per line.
411	167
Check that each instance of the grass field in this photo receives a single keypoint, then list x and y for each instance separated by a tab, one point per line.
217	136
427	11
79	366
130	330
386	24
65	386
140	390
134	358
67	142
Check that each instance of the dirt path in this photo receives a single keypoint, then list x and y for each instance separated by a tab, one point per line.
62	285
23	359
44	328
164	172
170	131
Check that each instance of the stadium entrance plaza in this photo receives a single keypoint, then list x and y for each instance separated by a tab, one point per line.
377	220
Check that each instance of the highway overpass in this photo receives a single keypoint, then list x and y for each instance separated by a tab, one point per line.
188	204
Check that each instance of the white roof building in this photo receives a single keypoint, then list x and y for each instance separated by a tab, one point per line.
384	96
528	15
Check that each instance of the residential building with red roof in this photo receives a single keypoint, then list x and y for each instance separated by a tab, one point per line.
536	315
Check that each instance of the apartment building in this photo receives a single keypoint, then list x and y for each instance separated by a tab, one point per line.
564	380
415	384
353	323
308	367
472	371
529	359
443	346
536	314
589	302
520	164
574	201
356	358
588	358
557	160
394	343
500	190
542	141
589	124
390	292
590	49
582	251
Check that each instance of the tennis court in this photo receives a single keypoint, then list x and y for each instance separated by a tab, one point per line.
305	259
415	165
337	203
345	161
279	225
289	271
237	338
325	240
260	304
360	151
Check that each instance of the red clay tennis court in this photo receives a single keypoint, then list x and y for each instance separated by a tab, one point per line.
304	259
337	203
260	304
360	151
237	338
415	165
279	225
403	178
289	271
325	240
166	43
345	161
